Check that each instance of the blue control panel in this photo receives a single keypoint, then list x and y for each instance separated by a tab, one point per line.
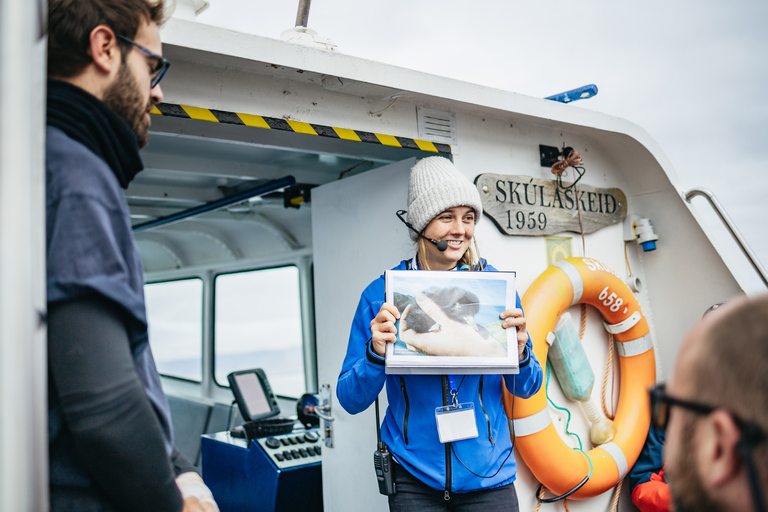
292	450
276	473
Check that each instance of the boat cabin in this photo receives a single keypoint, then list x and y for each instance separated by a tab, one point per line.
268	203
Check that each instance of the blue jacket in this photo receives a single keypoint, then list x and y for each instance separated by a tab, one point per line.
409	427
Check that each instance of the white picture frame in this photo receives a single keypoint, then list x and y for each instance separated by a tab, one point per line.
466	337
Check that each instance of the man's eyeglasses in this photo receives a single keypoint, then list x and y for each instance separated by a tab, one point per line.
661	402
162	64
751	434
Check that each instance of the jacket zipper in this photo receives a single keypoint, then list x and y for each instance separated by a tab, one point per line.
407	408
487	420
446	402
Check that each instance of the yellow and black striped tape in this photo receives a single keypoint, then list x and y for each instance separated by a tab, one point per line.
271	123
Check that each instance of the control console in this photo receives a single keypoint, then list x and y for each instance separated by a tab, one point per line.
294	449
279	473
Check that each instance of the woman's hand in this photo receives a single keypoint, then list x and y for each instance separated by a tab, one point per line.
383	328
454	338
514	318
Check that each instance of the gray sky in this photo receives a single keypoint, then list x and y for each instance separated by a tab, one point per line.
694	74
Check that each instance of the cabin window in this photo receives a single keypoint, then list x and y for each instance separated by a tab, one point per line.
258	324
175	317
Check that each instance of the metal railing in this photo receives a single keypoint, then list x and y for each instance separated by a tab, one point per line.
302	16
218	204
731	227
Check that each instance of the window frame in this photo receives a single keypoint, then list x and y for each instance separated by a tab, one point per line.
302	307
208	389
202	325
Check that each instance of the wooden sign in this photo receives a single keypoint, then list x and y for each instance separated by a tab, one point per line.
521	205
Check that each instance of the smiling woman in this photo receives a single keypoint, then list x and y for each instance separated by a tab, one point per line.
429	469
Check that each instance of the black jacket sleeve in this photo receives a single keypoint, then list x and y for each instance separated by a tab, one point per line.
181	464
116	433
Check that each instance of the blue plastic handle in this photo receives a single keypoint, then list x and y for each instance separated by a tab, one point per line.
580	93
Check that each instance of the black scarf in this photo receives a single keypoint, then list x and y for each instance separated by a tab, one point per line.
88	120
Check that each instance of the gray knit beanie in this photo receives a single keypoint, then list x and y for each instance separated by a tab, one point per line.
435	186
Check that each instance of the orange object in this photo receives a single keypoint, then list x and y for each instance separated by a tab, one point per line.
557	466
653	495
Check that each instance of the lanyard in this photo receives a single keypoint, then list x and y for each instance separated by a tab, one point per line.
454	391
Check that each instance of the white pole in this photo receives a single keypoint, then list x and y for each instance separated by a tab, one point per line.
23	369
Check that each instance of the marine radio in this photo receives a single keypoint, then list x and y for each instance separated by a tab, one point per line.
382	462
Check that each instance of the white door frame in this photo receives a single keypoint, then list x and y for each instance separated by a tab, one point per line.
355	237
23	367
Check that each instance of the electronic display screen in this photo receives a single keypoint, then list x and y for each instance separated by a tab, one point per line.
253	394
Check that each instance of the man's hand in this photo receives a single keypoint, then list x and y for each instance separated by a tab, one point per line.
454	338
197	496
194	504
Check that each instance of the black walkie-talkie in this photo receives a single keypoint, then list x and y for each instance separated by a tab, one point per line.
382	462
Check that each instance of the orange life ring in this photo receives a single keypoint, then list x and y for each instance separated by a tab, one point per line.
557	466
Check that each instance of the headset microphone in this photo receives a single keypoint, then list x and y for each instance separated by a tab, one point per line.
442	245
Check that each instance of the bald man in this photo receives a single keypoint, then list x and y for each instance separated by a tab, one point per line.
715	410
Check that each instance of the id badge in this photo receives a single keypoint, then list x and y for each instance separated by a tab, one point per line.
455	423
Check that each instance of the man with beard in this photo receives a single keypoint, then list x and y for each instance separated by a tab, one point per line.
110	442
715	411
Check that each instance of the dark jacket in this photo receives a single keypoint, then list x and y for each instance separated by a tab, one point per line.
107	412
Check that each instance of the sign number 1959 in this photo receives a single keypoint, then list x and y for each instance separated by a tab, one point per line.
531	221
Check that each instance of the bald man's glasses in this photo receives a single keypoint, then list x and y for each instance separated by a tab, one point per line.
661	403
751	434
162	64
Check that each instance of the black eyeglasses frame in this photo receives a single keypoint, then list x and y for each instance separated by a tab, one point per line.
660	402
162	63
751	434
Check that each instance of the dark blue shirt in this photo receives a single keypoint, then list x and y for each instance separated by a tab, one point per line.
90	250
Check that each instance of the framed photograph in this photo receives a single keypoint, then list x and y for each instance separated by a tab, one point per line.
449	322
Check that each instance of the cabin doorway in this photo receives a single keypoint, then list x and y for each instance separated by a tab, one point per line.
356	236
